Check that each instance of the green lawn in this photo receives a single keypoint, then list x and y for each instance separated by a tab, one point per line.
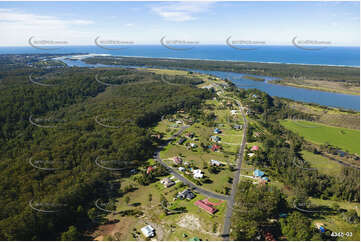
346	139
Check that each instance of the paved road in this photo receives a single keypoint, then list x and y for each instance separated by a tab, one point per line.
175	173
227	219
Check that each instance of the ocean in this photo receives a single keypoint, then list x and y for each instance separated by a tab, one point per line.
334	56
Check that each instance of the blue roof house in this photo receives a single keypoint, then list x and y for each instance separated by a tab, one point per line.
216	131
258	173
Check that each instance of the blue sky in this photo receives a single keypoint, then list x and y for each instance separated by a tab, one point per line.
275	23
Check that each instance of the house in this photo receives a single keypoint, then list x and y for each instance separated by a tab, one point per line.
258	173
341	153
197	174
255	148
237	127
269	237
215	148
181	169
215	163
215	138
181	141
320	227
157	136
234	112
217	131
177	160
178	122
148	231
208	87
150	169
190	135
205	206
250	154
186	194
193	145
167	182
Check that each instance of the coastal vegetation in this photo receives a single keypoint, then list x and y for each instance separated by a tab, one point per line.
326	78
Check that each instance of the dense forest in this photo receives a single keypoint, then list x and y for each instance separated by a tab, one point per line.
331	73
51	136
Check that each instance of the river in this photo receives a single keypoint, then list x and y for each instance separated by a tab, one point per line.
331	99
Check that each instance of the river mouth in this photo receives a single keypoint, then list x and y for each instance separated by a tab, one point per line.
331	99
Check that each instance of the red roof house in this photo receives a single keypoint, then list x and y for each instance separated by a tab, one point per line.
215	147
254	148
149	170
205	206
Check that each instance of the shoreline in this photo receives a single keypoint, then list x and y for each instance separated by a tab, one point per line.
278	63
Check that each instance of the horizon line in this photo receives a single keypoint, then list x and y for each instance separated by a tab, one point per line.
328	46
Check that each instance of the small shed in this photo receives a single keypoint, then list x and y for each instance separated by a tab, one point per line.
217	131
148	231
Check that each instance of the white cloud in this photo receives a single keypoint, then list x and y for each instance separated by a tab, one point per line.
182	11
19	27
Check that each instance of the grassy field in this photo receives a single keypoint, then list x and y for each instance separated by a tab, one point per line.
322	164
346	139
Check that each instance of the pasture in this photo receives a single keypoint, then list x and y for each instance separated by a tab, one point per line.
346	139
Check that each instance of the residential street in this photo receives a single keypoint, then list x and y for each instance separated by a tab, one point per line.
230	199
230	203
185	180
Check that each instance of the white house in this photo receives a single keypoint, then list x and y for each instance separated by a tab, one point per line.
181	169
148	231
250	154
215	163
193	145
197	174
234	112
